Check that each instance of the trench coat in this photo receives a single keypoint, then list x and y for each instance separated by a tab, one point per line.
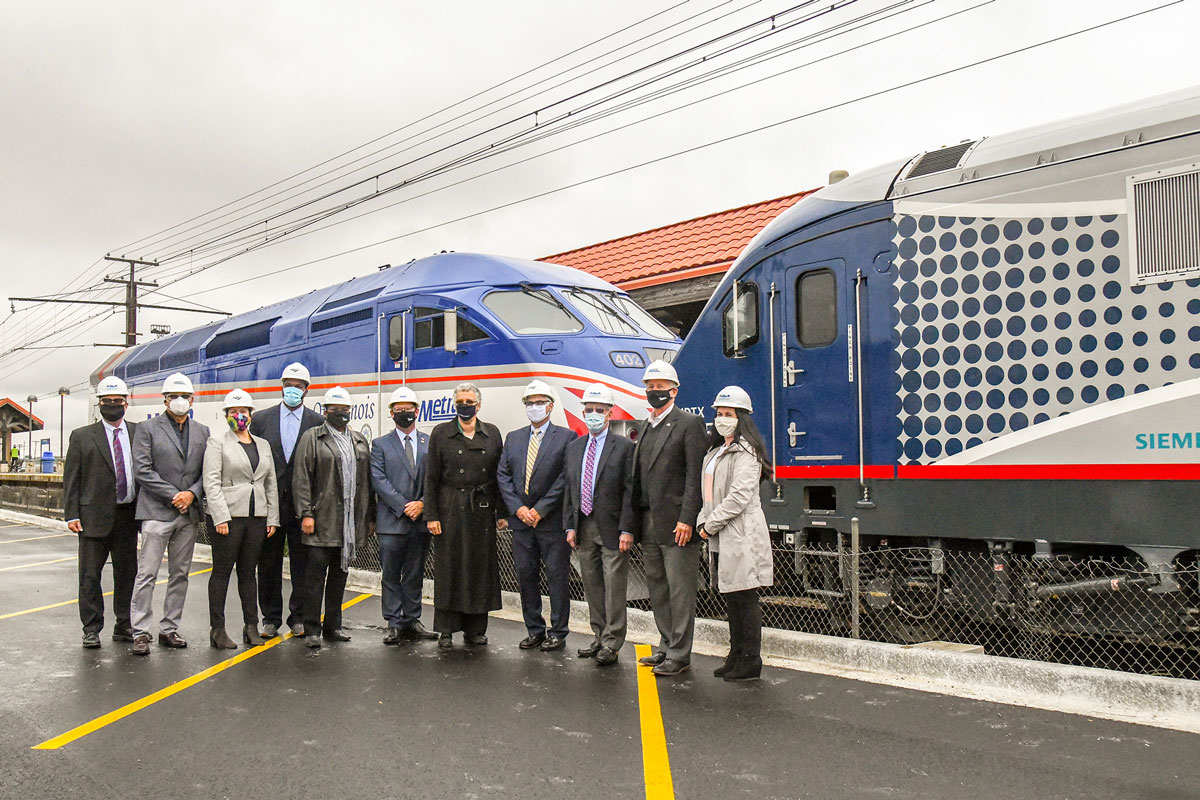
735	522
461	493
317	487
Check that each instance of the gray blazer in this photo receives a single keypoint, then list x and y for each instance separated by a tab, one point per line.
229	483
161	471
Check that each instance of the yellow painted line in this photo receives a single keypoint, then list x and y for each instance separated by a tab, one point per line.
38	564
36	538
656	766
76	600
15	525
175	688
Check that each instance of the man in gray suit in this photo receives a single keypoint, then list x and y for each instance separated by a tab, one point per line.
398	478
168	463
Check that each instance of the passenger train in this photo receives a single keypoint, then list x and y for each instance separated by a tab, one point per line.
430	324
988	353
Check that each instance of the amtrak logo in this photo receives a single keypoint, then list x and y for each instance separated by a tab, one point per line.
439	409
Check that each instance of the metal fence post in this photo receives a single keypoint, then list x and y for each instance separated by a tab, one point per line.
854	630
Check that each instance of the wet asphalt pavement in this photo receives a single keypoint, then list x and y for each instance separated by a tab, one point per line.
366	721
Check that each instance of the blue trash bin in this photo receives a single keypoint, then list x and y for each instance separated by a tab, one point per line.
47	463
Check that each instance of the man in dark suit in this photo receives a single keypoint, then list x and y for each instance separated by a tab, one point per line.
99	493
532	483
598	517
667	465
398	478
281	425
168	465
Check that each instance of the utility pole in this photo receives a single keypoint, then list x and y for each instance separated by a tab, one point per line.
131	292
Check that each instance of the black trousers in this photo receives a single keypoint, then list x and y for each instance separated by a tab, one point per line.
94	551
530	549
270	574
241	549
324	580
745	622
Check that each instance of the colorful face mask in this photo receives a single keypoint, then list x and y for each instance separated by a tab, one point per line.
238	422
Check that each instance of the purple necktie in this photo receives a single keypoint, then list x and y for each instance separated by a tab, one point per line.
589	472
119	465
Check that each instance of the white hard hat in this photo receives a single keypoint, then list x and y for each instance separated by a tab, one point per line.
297	371
337	396
599	393
177	383
733	397
660	371
238	398
112	385
537	387
403	394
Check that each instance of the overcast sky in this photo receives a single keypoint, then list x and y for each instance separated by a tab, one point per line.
122	119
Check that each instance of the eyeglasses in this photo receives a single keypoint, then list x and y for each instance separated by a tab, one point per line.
595	409
178	396
465	402
114	403
536	403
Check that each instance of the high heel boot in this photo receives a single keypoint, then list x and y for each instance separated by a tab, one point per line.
219	639
251	636
736	635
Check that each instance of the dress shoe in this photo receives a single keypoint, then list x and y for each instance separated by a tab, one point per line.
670	667
313	641
336	635
250	636
91	640
270	631
141	645
606	656
414	631
173	640
393	636
477	639
123	634
445	641
531	641
297	629
745	668
652	660
588	652
552	643
219	639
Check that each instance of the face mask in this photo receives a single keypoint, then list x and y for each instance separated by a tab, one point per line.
112	413
238	422
595	422
338	419
179	406
465	411
403	419
725	425
657	398
537	413
292	396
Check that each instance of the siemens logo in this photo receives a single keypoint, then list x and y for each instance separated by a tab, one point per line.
439	409
1167	441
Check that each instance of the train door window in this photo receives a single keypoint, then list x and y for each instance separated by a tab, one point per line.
816	308
739	326
429	328
396	337
600	313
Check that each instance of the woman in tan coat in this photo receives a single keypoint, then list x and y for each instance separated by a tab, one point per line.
733	523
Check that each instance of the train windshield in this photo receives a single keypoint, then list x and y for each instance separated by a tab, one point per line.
642	317
600	313
532	311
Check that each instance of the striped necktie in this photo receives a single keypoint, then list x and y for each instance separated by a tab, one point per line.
589	477
535	441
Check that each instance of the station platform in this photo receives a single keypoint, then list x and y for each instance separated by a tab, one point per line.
361	720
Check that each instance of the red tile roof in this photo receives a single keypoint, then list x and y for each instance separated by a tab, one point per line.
690	249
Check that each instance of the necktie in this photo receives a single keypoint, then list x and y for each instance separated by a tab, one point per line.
589	477
119	465
535	442
408	453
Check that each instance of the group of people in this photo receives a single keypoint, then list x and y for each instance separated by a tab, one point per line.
290	476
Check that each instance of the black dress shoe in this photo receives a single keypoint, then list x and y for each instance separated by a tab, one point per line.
606	656
653	660
123	635
445	641
477	639
531	641
393	636
173	640
336	635
588	652
91	640
552	643
312	641
671	667
141	645
414	631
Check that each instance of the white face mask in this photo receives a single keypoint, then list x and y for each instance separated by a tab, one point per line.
537	413
595	422
725	425
179	406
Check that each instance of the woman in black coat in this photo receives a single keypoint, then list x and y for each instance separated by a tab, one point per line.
463	510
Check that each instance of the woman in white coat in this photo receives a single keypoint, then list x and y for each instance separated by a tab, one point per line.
733	523
243	503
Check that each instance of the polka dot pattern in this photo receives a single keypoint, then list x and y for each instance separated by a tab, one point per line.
1003	324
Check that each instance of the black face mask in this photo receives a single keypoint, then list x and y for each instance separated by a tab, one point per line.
338	419
112	413
465	411
657	398
404	418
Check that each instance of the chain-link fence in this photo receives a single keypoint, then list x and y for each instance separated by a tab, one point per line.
1116	613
